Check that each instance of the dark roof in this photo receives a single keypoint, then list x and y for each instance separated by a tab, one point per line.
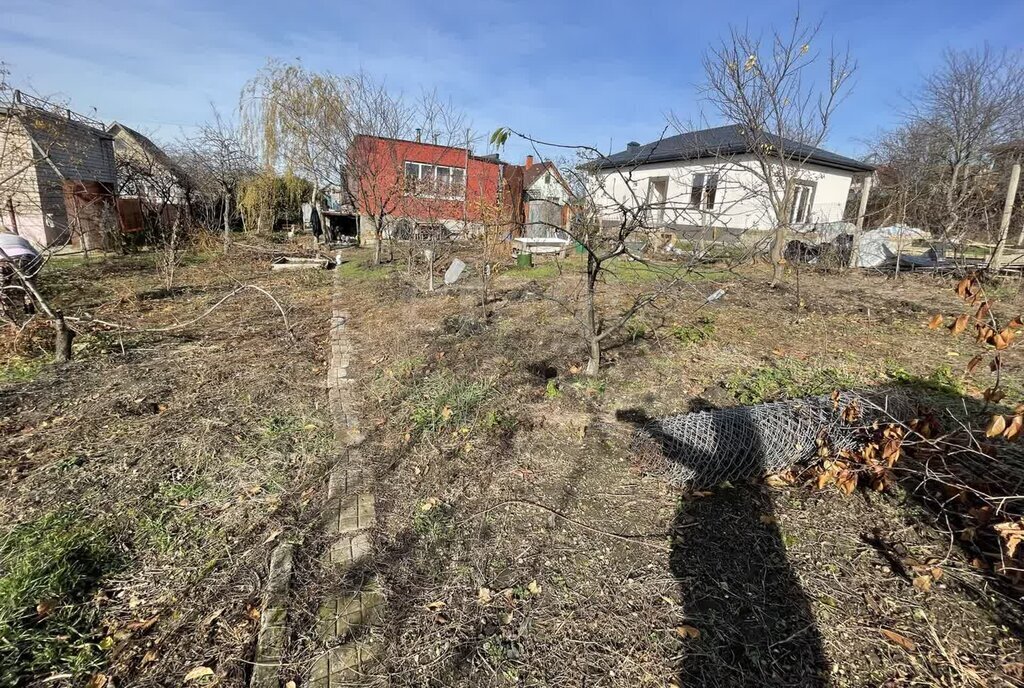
535	171
152	150
727	140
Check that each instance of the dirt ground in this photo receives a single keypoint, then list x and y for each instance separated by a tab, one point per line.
519	540
520	544
181	456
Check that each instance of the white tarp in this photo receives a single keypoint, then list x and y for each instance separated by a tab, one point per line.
877	246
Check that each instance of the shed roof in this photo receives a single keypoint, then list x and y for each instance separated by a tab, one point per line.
727	140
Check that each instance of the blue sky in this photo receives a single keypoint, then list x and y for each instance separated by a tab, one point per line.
597	73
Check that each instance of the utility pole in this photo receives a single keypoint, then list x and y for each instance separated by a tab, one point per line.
1004	222
862	211
465	188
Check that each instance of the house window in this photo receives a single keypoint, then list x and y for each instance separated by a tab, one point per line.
703	191
803	202
434	181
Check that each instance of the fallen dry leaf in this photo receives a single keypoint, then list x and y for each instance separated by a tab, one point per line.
1013	429
959	325
534	587
97	681
923	583
901	640
435	606
198	673
936	322
685	631
995	426
273	536
483	596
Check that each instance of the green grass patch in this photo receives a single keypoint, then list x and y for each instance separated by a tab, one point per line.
942	381
700	331
363	269
21	369
444	401
545	270
786	379
49	570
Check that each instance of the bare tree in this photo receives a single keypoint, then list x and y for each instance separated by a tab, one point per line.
216	162
619	238
940	156
781	92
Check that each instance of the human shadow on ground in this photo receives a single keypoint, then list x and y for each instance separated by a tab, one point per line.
753	622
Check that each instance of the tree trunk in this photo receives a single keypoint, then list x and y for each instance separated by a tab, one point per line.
593	336
64	334
594	362
227	220
779	241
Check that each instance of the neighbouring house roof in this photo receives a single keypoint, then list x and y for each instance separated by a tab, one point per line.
155	152
535	171
727	140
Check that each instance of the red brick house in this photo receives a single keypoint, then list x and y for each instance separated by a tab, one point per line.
410	188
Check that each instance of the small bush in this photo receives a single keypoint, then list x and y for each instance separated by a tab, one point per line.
786	380
443	400
636	329
701	331
49	569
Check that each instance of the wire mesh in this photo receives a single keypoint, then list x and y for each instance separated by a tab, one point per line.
706	448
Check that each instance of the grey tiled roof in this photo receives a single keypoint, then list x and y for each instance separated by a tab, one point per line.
727	140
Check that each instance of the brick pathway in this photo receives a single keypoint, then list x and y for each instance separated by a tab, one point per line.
345	620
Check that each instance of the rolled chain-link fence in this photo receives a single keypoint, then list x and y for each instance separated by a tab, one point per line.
706	448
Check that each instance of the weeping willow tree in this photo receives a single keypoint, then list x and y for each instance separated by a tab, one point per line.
309	123
267	198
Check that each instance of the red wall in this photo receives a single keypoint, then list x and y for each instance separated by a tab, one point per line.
379	165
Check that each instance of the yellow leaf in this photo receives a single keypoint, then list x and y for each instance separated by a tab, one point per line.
685	631
198	673
901	640
995	426
290	684
1014	428
483	596
446	412
534	587
107	643
436	606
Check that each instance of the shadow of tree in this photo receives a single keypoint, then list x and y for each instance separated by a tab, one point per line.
737	587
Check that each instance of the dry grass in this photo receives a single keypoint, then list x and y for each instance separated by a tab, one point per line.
518	546
192	451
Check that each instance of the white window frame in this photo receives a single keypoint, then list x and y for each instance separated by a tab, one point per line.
427	174
803	202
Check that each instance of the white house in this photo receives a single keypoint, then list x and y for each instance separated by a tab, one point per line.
546	200
709	180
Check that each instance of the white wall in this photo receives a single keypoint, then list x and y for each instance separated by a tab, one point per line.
741	201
